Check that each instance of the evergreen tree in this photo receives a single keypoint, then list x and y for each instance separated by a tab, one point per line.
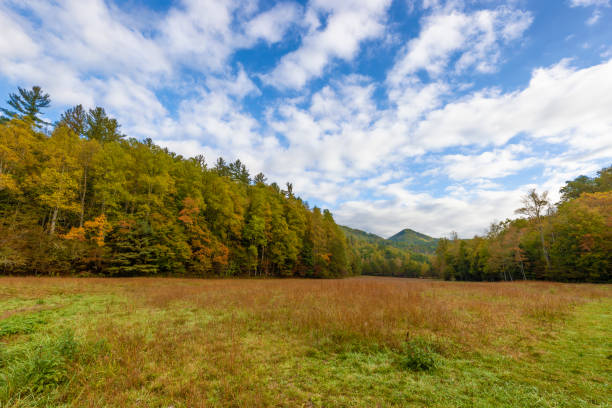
99	126
76	120
28	105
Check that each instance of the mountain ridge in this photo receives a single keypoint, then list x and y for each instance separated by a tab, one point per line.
414	240
405	239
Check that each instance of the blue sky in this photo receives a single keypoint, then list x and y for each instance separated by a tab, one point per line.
431	115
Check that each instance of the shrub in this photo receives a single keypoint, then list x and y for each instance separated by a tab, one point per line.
418	355
37	368
20	324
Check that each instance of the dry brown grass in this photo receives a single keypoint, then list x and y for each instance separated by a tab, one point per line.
380	309
188	339
384	310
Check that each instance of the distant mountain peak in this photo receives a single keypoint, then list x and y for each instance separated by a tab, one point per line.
405	239
407	232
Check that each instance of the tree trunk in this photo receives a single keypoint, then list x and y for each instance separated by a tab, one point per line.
263	250
53	220
83	193
544	247
14	221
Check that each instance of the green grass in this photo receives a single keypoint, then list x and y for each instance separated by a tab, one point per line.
573	371
111	344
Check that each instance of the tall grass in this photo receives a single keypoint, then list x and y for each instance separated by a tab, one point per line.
380	310
232	342
37	367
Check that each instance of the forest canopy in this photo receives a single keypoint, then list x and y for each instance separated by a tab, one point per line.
569	241
80	197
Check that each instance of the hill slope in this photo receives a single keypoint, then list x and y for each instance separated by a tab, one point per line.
375	255
361	235
414	241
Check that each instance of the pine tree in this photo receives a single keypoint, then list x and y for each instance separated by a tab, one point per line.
27	105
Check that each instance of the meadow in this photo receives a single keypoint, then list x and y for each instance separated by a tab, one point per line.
358	342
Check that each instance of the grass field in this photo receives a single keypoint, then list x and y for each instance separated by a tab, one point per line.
361	342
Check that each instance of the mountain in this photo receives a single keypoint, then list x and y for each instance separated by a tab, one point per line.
414	241
405	239
361	235
374	255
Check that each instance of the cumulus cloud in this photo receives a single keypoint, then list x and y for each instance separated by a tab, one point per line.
366	144
17	44
490	164
561	104
272	24
204	34
476	37
88	36
343	150
198	33
94	54
348	23
468	212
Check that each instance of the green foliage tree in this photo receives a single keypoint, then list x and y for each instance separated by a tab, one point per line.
583	184
99	126
534	208
85	199
370	254
27	105
582	250
75	119
57	184
570	243
82	198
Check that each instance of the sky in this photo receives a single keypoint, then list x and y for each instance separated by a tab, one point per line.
431	115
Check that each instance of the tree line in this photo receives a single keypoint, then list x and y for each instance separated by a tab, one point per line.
377	256
78	196
570	241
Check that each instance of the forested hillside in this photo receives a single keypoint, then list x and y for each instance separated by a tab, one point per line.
378	256
80	197
414	241
570	241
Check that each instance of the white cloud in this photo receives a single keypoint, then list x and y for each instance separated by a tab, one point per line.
591	3
271	25
468	212
219	120
203	34
88	53
561	104
16	43
476	37
198	33
87	36
487	165
74	46
135	104
350	144
587	3
349	23
238	86
594	17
